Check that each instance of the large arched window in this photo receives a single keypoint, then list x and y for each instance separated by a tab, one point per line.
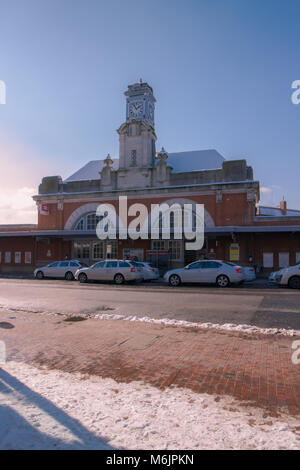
87	222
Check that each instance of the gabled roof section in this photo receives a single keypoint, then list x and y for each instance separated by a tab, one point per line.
195	160
90	171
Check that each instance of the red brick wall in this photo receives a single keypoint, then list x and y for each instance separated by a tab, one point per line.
53	249
13	245
233	210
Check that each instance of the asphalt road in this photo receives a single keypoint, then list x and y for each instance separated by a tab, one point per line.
263	307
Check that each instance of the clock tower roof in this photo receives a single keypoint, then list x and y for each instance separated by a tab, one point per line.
139	89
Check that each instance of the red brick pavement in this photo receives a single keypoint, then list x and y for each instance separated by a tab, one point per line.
250	367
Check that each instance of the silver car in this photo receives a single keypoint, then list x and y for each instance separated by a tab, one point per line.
289	276
118	271
59	269
206	271
249	271
150	273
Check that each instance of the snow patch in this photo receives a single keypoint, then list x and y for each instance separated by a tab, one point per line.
218	326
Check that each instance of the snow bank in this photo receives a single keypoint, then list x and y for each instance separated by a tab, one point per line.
43	409
225	326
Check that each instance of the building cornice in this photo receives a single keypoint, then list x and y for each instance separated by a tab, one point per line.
212	187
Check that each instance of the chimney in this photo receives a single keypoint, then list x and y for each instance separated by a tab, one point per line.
283	207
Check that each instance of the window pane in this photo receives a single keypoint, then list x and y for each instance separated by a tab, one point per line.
53	265
175	249
98	250
159	245
112	264
80	225
113	249
284	259
123	264
63	264
196	265
86	250
268	260
99	265
92	221
211	265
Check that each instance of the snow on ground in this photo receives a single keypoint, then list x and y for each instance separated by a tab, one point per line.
225	326
42	409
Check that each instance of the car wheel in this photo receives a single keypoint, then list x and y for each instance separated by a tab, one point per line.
40	275
294	282
82	277
223	281
69	276
174	280
119	279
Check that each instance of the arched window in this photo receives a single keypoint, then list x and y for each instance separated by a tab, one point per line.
87	222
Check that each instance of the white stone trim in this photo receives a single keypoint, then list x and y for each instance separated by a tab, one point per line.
80	212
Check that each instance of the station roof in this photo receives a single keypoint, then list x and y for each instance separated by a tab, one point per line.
195	160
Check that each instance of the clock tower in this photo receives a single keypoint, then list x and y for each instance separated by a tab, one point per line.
137	138
140	103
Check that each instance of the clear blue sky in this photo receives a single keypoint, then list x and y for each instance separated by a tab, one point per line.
221	72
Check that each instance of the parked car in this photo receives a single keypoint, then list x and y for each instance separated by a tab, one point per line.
249	271
150	273
216	272
289	276
118	271
272	277
63	269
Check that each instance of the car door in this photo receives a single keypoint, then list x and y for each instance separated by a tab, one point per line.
193	272
210	271
97	272
111	270
62	268
51	269
74	266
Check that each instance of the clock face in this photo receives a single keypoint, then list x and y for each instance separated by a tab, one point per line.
136	109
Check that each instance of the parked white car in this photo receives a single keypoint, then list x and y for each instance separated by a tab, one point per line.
118	271
289	276
62	269
216	272
150	273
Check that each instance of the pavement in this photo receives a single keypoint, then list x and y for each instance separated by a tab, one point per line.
254	369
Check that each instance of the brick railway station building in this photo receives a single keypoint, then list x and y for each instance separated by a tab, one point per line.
236	227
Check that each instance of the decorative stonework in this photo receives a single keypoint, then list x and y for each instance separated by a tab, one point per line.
162	170
60	204
218	196
106	173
